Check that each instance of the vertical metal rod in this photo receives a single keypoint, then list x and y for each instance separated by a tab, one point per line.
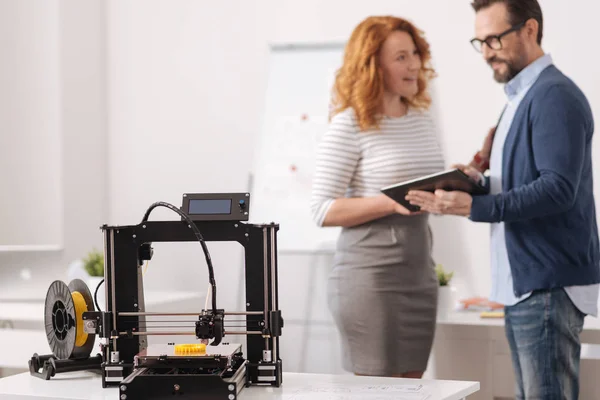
105	288
141	305
266	282
112	284
274	305
105	272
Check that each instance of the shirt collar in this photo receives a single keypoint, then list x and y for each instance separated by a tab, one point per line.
527	76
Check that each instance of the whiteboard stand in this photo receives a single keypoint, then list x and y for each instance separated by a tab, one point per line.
309	307
296	115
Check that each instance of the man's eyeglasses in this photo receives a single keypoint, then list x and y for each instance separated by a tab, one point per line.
494	42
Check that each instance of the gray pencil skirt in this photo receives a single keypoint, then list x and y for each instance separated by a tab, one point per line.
382	293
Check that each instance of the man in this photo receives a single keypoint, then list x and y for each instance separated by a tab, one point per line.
544	239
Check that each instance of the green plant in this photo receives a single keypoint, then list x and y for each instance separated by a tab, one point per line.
94	263
443	276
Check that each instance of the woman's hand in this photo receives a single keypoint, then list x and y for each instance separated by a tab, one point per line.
397	208
359	210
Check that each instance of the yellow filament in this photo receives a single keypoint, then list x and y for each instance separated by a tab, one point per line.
80	308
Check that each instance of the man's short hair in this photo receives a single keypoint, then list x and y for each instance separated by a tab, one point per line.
518	11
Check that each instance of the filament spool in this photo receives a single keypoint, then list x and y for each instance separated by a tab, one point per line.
63	319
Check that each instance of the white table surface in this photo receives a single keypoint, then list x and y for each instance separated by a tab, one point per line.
590	333
87	385
473	318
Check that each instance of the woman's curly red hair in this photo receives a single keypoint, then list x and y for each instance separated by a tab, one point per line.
359	82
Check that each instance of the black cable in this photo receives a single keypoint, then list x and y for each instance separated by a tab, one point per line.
96	294
192	225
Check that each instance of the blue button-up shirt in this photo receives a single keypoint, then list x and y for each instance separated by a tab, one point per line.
585	298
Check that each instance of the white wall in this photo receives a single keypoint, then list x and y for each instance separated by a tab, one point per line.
160	98
185	91
30	122
67	38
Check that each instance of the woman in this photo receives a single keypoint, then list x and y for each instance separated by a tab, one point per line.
383	289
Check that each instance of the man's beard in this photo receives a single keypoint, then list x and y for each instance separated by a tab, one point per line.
511	70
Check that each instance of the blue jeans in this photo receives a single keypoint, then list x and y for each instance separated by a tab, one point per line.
543	334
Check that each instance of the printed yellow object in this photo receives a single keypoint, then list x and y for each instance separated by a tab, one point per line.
190	349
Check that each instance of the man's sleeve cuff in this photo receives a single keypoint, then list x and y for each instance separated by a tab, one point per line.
482	209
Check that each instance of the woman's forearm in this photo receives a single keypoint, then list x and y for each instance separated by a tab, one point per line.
355	211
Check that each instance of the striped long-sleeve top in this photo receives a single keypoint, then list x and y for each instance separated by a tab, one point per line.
351	163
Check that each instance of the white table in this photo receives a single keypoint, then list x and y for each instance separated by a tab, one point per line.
87	385
590	333
470	347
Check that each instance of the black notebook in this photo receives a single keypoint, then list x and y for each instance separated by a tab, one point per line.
453	179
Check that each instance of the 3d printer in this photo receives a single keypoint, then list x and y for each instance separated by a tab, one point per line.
215	371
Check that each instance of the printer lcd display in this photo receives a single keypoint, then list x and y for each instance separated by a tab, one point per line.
209	206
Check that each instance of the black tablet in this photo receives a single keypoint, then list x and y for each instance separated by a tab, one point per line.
453	179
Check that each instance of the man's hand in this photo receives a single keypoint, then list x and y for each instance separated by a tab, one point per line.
442	202
467	169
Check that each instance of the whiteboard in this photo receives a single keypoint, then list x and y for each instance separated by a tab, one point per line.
298	95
